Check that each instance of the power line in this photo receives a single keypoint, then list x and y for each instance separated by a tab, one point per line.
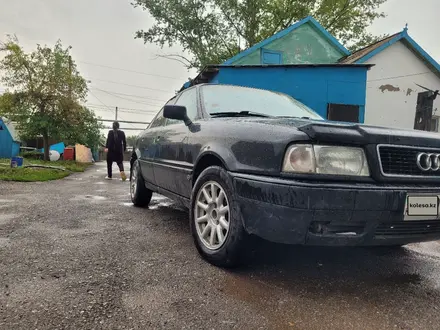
126	99
149	113
126	70
132	95
407	75
135	86
139	109
100	101
146	113
106	105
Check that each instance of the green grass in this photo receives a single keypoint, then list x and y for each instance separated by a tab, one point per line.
38	174
31	174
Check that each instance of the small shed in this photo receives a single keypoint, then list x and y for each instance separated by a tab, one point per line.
9	144
334	91
301	61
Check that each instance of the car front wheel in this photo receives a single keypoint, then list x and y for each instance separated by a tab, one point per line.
215	219
140	195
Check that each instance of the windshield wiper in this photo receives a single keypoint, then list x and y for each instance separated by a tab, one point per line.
294	117
239	114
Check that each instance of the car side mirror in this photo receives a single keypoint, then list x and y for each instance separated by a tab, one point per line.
177	112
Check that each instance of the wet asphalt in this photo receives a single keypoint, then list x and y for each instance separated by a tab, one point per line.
75	254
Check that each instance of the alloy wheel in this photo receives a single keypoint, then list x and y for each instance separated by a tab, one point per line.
211	215
133	181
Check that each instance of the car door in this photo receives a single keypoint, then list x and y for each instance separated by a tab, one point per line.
148	145
171	169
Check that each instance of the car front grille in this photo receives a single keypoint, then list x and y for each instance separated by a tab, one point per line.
408	228
401	161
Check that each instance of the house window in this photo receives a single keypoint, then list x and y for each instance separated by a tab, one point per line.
434	124
271	57
343	112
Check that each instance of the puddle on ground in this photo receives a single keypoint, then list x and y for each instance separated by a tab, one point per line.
4	241
159	205
89	197
101	190
97	198
5	218
158	198
431	249
7	201
100	182
158	201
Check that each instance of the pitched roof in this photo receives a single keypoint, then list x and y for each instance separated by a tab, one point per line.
10	126
284	32
368	52
357	55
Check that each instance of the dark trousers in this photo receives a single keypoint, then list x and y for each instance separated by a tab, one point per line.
111	158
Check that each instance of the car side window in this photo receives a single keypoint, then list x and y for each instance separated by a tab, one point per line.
159	120
189	100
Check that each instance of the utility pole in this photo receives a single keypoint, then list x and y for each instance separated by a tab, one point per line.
116	114
70	79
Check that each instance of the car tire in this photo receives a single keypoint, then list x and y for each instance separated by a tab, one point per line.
140	195
228	253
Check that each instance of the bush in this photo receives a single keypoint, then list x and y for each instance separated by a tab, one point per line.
32	155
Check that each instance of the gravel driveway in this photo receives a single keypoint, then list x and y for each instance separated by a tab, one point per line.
75	254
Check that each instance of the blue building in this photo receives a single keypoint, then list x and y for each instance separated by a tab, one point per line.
301	61
334	91
9	145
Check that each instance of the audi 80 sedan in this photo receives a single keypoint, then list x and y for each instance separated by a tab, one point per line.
250	161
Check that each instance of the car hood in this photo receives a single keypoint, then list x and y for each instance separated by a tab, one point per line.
337	132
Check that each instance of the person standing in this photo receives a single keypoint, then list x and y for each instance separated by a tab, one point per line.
115	146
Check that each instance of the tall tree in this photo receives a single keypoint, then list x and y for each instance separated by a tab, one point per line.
86	128
211	31
45	90
131	140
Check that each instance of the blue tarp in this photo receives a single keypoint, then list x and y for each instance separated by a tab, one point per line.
59	147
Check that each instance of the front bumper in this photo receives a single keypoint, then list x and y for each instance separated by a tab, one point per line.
293	212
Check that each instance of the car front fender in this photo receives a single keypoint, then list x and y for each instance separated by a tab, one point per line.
219	151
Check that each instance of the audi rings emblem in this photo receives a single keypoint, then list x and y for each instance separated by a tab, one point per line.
428	162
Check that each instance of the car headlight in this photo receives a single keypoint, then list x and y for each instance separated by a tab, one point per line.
320	159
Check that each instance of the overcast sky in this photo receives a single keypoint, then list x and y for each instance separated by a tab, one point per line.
101	32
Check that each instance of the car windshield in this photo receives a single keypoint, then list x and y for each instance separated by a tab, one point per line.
225	98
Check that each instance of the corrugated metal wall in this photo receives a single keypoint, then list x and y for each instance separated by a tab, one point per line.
316	87
5	141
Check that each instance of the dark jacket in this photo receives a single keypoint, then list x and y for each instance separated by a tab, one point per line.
116	143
